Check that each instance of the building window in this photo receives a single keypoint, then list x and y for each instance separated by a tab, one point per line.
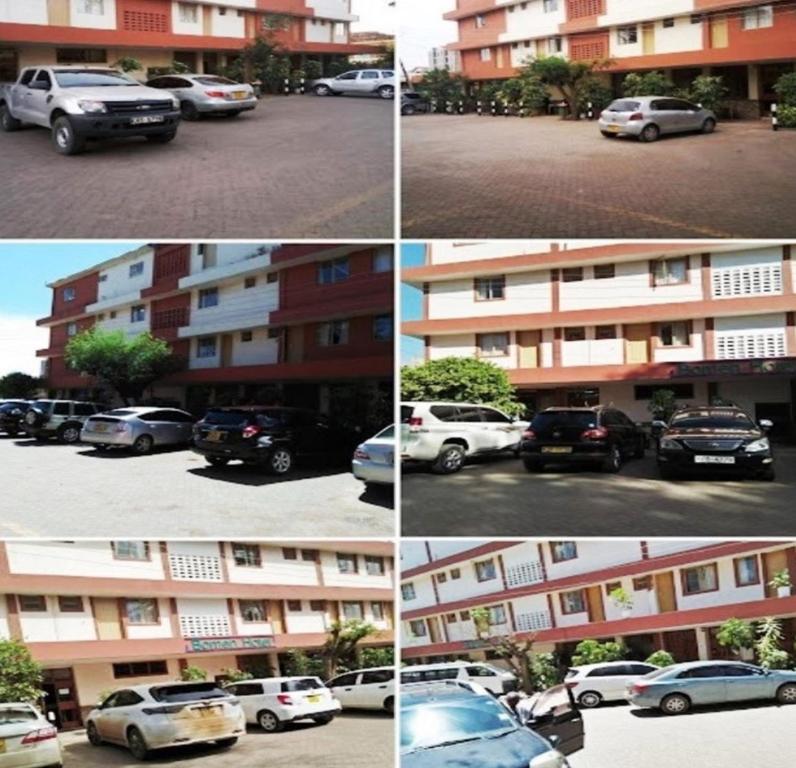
627	35
490	288
247	555
480	21
758	18
310	555
647	391
604	271
140	669
208	297
334	271
294	606
668	23
272	277
352	611
486	54
319	606
70	604
408	591
561	551
189	13
642	584
71	329
455	574
497	615
136	269
138	313
612	586
113	315
573	602
81	56
550	6
572	274
251	282
464	615
32	603
702	578
574	334
670	271
130	550
450	618
747	571
377	610
347	563
333	334
418	628
374	566
253	611
69	294
142	611
92	7
696	18
382	328
383	259
604	332
493	344
246	336
206	346
674	334
485	570
289	553
554	45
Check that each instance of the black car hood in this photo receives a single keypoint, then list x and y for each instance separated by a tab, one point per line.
738	434
514	750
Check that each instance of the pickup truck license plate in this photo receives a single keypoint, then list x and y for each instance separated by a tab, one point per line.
146	120
714	459
557	449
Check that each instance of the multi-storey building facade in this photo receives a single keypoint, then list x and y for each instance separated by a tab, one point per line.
612	323
445	58
100	615
204	34
749	43
303	325
558	592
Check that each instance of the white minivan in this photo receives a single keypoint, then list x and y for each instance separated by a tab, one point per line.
274	701
365	689
592	684
445	434
498	681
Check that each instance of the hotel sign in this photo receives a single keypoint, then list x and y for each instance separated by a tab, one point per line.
209	645
781	367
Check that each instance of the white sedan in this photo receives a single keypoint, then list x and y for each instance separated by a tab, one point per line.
27	739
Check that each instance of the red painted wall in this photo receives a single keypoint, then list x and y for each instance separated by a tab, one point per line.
360	342
86	289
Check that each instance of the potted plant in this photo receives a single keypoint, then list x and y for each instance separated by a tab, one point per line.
622	600
781	582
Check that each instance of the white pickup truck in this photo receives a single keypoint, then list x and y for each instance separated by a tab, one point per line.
81	103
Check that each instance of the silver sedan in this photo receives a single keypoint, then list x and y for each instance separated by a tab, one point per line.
374	460
140	429
650	117
207	94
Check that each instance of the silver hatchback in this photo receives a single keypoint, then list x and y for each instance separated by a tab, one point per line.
650	117
140	429
207	94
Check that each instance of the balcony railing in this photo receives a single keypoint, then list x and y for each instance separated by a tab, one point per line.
205	626
195	568
522	574
533	621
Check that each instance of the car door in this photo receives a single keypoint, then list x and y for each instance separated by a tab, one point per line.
250	696
556	717
369	80
704	685
690	115
499	429
344	688
467	422
116	715
19	95
346	83
374	687
662	114
175	427
623	429
39	96
745	683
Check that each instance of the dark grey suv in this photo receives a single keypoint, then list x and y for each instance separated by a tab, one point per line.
63	419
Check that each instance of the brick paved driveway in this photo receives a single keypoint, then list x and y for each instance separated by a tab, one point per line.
465	176
295	167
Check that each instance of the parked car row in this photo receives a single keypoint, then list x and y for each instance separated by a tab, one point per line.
444	435
80	103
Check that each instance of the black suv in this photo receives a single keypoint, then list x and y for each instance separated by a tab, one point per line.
714	438
11	413
272	437
598	435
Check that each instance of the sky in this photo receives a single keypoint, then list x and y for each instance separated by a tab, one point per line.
412	255
25	297
374	16
421	28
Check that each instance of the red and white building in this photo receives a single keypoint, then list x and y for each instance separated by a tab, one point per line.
557	592
611	323
300	325
203	34
749	43
100	615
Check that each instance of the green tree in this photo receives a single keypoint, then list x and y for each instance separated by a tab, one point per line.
20	675
564	75
342	643
460	379
768	646
377	657
441	86
480	618
661	659
647	84
298	663
518	654
596	652
193	674
128	64
527	89
263	60
662	404
592	90
785	88
545	671
736	634
313	69
127	365
19	386
232	675
708	91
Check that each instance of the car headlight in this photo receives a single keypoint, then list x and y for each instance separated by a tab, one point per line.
92	107
758	446
670	445
550	759
175	102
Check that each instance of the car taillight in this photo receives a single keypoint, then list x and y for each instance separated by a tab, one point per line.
529	434
165	710
635	117
571	684
43	734
360	454
215	94
598	433
416	421
283	698
251	431
638	687
121	427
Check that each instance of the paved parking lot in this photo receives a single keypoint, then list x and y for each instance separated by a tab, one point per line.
295	167
351	741
497	497
713	737
467	177
59	491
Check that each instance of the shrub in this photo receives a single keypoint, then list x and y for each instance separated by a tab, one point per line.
787	116
736	634
313	69
647	84
592	89
661	659
785	88
595	652
708	91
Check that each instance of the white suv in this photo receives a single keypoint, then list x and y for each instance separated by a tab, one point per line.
445	434
593	684
498	681
365	689
274	701
366	81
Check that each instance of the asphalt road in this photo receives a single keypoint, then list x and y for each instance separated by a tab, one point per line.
619	736
67	491
497	497
296	167
471	177
360	740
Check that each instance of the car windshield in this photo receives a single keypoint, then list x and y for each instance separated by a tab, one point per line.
553	419
713	420
624	105
435	725
213	80
11	715
305	684
120	412
92	78
176	694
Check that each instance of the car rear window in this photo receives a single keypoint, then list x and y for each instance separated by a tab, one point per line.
275	419
552	419
713	420
120	412
207	80
305	684
11	715
229	418
624	105
406	413
175	694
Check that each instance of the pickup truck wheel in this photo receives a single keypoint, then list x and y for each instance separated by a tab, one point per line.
8	122
161	138
189	111
386	92
65	140
450	460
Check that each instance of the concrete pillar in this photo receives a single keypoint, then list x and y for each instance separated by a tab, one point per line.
703	648
753	76
200	63
273	658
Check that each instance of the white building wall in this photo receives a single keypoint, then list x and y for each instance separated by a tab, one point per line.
209	616
525	293
237	308
592	351
333	578
592	555
645	601
457	345
684	354
305	620
446	252
532	20
105	20
624	50
622	396
5	630
683	36
149	632
339	10
275	569
24	12
661	547
727	593
568	619
122	321
261	350
424	592
230	24
181	27
53	625
627	11
117	281
318	31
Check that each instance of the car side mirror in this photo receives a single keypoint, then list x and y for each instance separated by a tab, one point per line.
765	424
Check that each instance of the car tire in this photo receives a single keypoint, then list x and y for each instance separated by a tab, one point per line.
389	705
227	743
189	111
322	90
650	133
143	445
532	465
609	135
590	699
709	125
269	722
93	735
769	475
786	694
386	92
675	704
450	460
69	434
65	139
613	462
34	417
666	473
323	719
8	122
161	138
217	461
280	462
137	744
408	110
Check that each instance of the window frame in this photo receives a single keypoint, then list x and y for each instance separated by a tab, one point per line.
493	351
655	281
248	549
155	604
683	579
128	559
564	607
735	568
493	284
558	558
